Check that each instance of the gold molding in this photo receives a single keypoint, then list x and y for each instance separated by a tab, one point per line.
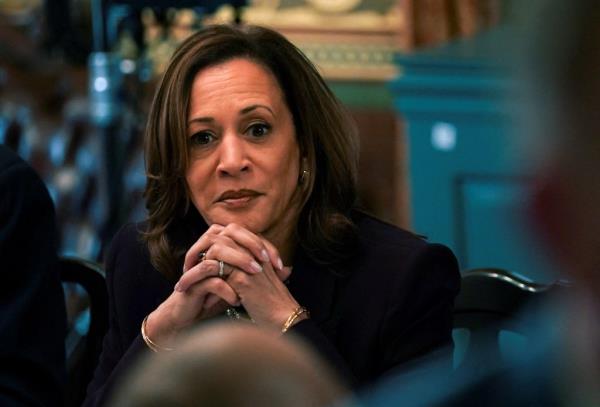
357	43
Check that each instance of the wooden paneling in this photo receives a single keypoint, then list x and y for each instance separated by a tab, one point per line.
382	174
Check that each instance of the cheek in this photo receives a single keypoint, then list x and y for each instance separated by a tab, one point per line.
289	182
289	170
197	181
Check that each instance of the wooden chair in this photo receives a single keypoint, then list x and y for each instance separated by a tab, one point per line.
83	348
489	302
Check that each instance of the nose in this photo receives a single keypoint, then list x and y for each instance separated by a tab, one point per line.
233	160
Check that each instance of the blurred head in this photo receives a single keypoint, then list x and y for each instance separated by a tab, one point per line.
310	132
567	201
230	364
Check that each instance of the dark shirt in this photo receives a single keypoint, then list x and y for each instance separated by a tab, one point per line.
32	304
392	304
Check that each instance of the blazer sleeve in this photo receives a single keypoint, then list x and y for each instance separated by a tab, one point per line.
32	304
117	355
389	312
311	333
419	317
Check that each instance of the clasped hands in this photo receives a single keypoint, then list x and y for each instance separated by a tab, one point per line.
253	276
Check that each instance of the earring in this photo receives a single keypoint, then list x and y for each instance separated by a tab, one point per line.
303	176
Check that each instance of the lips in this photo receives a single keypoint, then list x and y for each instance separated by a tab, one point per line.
237	198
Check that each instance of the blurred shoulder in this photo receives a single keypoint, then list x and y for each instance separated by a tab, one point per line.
15	171
22	191
8	158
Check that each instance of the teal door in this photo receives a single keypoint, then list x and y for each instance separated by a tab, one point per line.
468	170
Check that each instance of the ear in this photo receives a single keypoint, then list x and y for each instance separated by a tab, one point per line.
304	171
304	163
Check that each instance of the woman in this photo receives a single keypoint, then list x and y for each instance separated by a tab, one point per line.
251	167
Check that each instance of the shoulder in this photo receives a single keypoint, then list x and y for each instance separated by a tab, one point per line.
13	167
19	180
127	242
129	237
128	258
8	159
384	238
135	287
133	283
399	252
25	205
127	252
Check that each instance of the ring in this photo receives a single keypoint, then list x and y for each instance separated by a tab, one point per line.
201	257
221	269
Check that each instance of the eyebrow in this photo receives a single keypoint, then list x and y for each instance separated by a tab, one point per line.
254	107
245	110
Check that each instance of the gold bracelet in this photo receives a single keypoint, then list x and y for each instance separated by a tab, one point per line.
293	316
153	346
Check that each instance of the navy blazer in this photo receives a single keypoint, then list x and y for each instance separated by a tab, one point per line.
32	303
393	304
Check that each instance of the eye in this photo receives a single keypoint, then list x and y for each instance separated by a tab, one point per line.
258	130
201	138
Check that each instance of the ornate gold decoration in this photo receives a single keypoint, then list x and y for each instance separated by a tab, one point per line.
346	39
334	6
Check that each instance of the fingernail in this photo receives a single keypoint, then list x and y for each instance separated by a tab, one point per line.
178	287
264	255
256	267
279	264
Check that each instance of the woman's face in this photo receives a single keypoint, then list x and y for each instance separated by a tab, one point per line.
244	158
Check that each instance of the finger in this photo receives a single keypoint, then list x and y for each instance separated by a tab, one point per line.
247	239
273	254
201	245
234	257
212	300
239	281
201	271
216	286
270	272
284	273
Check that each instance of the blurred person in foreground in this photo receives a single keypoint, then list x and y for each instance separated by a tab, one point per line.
560	366
32	304
251	196
231	365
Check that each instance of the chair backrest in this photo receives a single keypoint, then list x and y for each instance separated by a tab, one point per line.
488	304
83	346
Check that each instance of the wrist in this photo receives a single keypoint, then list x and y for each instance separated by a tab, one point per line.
299	314
301	317
156	337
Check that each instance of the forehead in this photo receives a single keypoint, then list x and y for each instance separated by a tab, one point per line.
239	80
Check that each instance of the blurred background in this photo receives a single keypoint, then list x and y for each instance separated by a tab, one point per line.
430	84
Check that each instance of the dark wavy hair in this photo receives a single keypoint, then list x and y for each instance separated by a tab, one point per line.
325	133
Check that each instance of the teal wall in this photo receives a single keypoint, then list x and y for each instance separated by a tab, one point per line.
375	95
